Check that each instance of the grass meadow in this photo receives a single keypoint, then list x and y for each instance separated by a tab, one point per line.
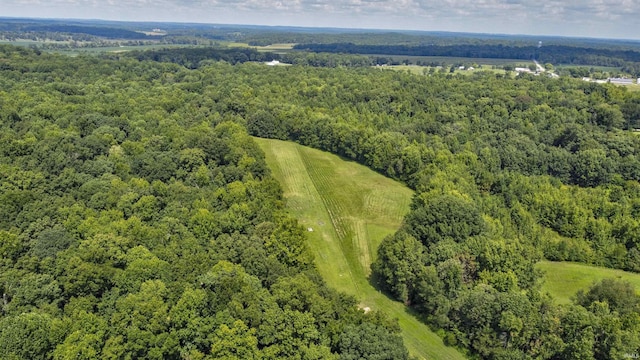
348	209
563	279
423	70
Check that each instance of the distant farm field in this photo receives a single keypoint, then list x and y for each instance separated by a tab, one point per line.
453	60
31	42
276	47
120	49
563	279
347	210
422	70
113	48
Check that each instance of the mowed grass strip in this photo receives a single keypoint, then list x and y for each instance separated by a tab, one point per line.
305	202
349	209
563	279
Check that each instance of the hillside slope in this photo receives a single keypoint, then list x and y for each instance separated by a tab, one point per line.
347	210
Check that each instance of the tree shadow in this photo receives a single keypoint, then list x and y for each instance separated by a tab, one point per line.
376	283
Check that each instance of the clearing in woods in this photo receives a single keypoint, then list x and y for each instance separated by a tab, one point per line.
348	209
563	279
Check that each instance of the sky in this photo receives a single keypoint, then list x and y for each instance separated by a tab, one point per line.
581	18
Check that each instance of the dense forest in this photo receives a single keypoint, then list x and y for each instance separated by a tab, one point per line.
137	222
507	171
138	218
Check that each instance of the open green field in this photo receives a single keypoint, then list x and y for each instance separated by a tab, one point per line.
414	69
348	209
94	50
106	49
634	87
278	48
30	42
449	60
563	279
120	49
420	70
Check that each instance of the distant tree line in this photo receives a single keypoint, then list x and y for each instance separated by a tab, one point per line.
195	57
556	54
106	32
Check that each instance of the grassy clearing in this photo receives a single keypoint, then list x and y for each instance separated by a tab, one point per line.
30	42
276	47
114	46
233	44
422	70
349	210
119	49
449	60
414	69
563	279
634	87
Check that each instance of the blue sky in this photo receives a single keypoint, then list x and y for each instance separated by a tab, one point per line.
584	18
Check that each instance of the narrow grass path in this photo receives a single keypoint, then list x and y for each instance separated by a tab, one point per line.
563	279
348	209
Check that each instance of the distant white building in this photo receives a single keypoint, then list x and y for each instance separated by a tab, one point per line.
523	70
621	81
638	82
273	63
